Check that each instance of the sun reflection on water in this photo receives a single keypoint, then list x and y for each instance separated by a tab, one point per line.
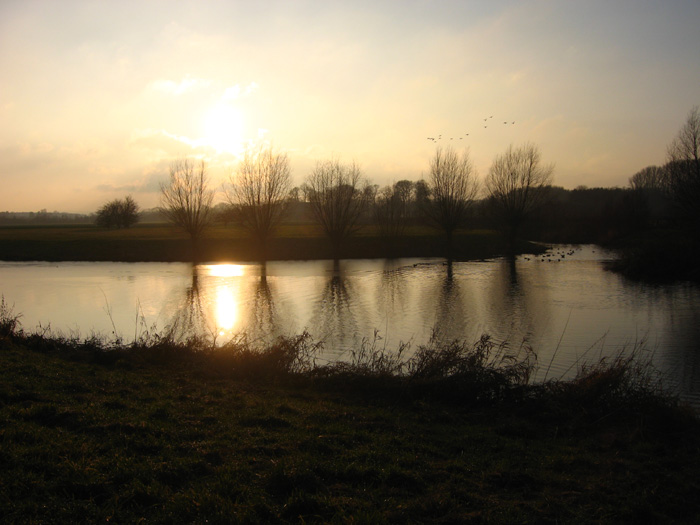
225	270
225	309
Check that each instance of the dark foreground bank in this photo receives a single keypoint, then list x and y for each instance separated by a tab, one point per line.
159	431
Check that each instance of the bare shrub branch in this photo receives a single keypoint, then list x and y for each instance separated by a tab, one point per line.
336	200
453	188
186	199
517	184
258	192
683	167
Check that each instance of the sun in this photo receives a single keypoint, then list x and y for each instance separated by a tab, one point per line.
223	129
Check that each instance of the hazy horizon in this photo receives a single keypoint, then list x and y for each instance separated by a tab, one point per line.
96	99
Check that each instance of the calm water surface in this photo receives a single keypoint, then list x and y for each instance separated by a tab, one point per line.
564	305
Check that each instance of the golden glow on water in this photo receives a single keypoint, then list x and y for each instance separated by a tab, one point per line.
225	270
225	309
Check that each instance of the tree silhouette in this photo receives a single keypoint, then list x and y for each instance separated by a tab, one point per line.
118	213
651	178
516	186
392	209
258	194
336	200
186	200
453	189
683	168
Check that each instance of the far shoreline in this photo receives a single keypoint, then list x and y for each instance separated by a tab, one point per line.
162	243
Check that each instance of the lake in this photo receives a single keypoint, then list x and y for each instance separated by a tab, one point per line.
563	304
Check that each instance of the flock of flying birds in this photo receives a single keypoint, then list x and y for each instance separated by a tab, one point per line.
487	119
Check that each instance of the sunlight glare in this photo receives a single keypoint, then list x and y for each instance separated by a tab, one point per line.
226	270
226	309
223	129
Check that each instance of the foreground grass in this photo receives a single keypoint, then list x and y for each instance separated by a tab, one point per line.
163	432
165	243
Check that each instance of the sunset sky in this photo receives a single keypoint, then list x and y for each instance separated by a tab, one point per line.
97	98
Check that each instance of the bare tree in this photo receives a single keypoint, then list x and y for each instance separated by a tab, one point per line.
392	208
683	167
186	199
336	200
516	186
453	188
258	193
651	178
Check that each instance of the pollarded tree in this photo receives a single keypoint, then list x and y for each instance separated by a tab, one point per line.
517	186
118	213
258	193
186	200
453	188
683	167
336	199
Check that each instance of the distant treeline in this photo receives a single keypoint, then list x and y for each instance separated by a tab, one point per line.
591	215
599	215
44	217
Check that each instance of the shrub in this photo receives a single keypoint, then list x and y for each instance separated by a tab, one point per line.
118	214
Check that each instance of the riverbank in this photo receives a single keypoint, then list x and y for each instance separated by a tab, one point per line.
164	432
164	243
658	256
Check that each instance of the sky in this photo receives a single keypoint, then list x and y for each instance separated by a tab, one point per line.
98	98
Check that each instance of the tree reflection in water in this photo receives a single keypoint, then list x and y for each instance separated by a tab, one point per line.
392	291
190	319
509	302
261	317
334	319
451	319
221	303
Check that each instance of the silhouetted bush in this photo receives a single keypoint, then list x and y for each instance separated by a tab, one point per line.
118	214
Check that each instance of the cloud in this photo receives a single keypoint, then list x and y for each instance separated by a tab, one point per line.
234	92
185	85
162	142
148	183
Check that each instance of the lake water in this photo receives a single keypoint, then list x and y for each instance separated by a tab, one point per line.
564	305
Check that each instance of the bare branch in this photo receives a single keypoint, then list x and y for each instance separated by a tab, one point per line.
258	192
453	188
186	199
336	200
517	184
683	167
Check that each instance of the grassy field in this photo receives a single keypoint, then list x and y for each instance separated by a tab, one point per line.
163	242
166	433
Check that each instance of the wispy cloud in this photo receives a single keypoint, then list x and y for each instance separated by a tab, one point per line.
234	92
181	87
160	141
